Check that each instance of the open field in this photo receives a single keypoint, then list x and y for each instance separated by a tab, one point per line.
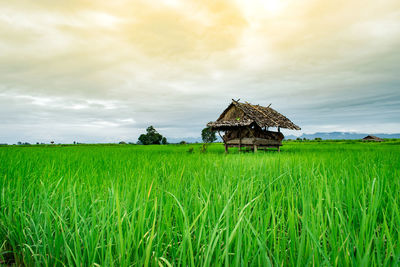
315	203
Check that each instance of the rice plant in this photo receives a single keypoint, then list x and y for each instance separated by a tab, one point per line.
325	203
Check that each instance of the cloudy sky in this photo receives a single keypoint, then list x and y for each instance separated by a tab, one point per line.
101	71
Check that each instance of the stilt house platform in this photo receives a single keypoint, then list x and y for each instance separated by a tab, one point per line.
247	125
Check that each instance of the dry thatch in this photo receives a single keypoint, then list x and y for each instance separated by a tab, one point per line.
372	138
244	114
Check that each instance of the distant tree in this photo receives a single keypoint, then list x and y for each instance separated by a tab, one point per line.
164	141
37	143
317	138
208	135
298	139
19	143
52	142
122	143
182	143
305	139
152	137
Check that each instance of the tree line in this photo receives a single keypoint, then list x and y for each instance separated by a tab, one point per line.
152	137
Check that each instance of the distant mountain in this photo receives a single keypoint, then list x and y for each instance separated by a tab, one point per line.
342	135
186	139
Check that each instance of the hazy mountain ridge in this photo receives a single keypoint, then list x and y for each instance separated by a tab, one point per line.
341	135
186	139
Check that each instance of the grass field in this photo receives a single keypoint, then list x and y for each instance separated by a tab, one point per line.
315	203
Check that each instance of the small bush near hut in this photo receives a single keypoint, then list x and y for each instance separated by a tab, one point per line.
208	135
203	148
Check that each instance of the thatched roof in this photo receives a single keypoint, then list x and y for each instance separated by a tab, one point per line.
262	116
372	138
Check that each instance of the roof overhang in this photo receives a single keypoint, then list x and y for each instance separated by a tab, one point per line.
262	116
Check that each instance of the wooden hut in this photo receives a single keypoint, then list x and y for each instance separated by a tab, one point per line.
247	125
372	138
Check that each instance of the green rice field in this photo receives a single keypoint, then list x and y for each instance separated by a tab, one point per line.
313	204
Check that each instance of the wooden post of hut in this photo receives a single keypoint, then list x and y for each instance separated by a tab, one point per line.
240	140
223	139
247	125
279	130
